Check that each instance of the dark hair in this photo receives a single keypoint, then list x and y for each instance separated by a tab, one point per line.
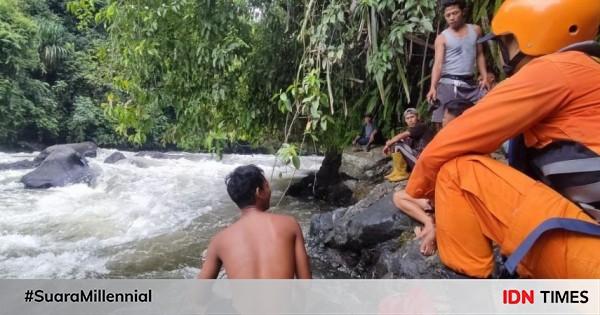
458	106
447	3
242	184
368	115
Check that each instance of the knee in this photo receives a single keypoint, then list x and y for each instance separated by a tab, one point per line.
399	198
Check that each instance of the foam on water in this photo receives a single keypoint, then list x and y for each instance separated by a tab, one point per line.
149	221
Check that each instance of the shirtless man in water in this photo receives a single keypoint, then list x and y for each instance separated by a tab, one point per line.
259	245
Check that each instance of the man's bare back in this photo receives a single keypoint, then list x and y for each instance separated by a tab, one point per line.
259	245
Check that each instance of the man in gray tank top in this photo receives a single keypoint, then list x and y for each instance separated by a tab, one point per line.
456	53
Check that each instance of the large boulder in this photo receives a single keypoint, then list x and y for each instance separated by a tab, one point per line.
365	165
85	149
63	166
373	239
376	224
349	240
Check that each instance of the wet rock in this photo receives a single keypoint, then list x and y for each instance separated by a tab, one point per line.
20	165
365	165
62	166
328	185
141	162
378	223
85	149
115	157
371	239
406	262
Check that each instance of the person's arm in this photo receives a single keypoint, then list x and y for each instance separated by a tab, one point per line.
481	66
509	109
212	264
436	72
399	137
302	261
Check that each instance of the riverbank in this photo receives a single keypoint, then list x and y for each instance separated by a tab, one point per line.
372	239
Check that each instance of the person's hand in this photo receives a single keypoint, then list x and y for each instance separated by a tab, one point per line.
484	82
386	149
427	236
432	95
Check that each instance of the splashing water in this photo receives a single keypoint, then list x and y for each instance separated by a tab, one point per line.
147	219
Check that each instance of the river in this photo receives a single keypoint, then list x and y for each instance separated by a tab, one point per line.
132	222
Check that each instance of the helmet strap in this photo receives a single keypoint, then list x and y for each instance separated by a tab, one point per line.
510	65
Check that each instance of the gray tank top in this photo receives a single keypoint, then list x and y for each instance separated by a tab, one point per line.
460	52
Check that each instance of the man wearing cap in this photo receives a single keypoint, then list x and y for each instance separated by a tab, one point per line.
545	221
456	52
406	146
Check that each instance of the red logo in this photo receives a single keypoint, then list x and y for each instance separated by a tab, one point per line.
517	297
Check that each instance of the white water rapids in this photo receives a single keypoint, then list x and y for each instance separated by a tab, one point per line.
133	222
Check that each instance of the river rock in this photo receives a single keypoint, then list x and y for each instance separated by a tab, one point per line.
115	157
20	165
328	186
140	162
373	239
63	166
406	262
365	165
85	149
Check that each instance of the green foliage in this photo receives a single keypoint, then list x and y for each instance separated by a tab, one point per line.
27	104
48	76
52	49
359	57
178	63
365	56
288	153
204	73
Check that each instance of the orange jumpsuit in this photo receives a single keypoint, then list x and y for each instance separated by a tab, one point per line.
479	200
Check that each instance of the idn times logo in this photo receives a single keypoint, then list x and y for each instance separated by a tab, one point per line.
514	296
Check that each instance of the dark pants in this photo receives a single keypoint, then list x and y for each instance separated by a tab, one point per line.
447	92
363	141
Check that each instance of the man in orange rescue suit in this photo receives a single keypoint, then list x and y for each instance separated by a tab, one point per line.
553	100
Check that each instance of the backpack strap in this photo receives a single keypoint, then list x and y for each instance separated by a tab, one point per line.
572	225
589	47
